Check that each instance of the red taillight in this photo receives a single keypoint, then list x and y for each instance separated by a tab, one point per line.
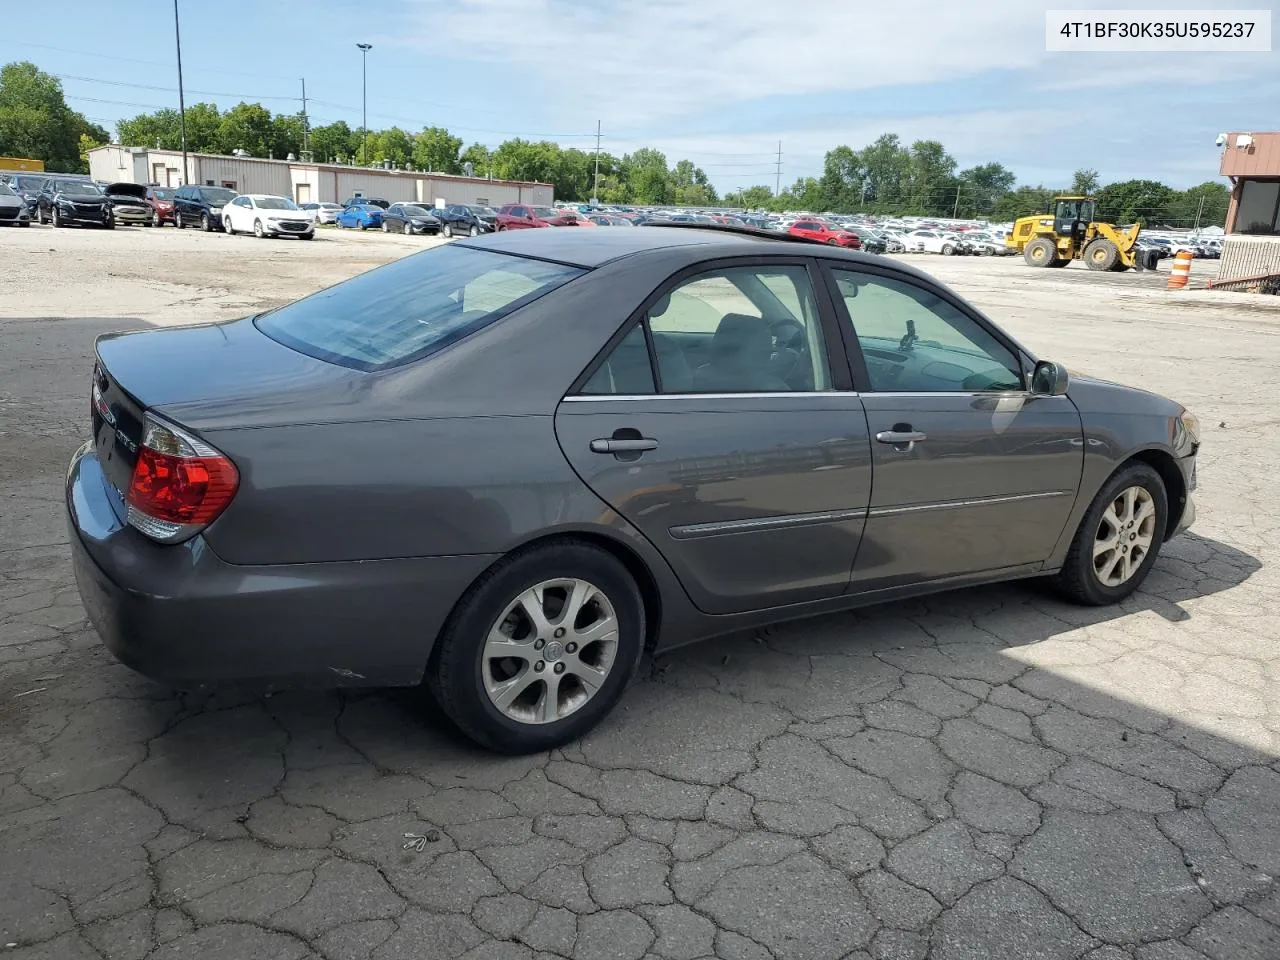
180	484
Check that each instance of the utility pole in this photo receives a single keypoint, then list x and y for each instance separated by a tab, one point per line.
956	209
1199	212
182	106
863	203
777	182
595	189
364	100
304	114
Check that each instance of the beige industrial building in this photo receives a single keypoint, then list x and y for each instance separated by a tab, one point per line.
1251	252
307	182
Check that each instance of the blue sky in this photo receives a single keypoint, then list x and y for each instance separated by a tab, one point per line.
717	81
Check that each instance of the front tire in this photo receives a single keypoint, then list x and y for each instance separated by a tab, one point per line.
205	223
257	229
386	227
540	648
177	221
1119	538
226	225
475	231
448	230
407	229
156	221
55	219
1041	252
948	249
1101	255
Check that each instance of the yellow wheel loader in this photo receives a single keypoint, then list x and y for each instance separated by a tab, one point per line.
1068	232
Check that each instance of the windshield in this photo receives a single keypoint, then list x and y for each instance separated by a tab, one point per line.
546	213
29	183
162	194
410	210
274	203
413	307
483	211
218	196
5	191
74	188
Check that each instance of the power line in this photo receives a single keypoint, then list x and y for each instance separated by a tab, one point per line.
150	63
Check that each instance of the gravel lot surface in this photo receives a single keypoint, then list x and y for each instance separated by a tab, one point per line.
982	774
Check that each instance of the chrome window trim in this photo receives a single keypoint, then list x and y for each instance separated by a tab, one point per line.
595	398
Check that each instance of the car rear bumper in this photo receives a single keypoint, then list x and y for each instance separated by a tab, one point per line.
182	615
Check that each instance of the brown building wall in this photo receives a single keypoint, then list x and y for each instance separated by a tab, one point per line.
1261	158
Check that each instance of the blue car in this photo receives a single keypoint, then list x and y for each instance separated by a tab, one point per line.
362	215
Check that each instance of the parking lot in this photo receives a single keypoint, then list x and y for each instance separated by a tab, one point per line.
991	773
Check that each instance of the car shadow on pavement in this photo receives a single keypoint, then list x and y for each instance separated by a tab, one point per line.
963	775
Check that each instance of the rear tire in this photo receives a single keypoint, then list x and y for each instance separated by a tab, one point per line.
1041	252
1101	254
386	227
1080	578
461	676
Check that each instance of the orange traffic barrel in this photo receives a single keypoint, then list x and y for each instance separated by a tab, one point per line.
1180	272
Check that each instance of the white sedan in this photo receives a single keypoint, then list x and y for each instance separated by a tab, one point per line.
930	241
267	216
323	212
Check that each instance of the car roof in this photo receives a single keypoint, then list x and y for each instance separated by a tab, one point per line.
593	248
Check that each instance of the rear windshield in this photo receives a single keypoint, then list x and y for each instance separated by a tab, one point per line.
412	307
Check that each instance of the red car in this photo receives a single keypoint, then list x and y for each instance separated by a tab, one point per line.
817	230
161	200
519	216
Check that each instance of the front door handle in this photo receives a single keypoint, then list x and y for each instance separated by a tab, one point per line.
900	436
630	445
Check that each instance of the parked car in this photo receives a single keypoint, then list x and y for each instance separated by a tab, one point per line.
323	212
929	241
467	219
817	230
369	201
13	209
161	200
129	204
266	499
265	215
360	215
409	218
872	240
28	187
196	205
67	202
520	216
601	220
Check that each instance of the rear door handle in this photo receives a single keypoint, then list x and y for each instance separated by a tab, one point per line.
639	445
900	436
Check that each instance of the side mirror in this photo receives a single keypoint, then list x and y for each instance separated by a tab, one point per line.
1049	379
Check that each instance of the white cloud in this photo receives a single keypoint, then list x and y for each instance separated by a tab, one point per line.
640	61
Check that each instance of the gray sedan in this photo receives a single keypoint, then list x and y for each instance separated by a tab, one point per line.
513	465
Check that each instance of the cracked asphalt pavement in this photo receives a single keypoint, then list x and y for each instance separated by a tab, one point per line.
982	774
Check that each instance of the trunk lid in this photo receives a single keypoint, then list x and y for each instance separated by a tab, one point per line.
217	376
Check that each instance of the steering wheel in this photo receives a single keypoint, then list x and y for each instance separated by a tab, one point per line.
791	352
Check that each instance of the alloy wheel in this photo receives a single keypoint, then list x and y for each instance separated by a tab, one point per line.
407	229
1124	537
205	225
475	231
550	651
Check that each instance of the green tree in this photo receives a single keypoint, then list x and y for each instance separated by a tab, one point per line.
758	197
391	144
334	140
479	157
932	185
246	126
887	165
436	149
981	187
842	179
36	122
1084	182
1022	202
1131	200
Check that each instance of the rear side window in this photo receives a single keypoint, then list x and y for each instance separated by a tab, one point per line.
412	307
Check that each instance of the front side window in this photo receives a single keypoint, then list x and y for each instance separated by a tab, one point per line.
736	330
1259	211
412	307
913	341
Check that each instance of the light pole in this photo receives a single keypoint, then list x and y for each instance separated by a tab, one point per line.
182	107
364	99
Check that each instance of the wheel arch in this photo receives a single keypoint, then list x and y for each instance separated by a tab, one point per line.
1163	462
624	553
